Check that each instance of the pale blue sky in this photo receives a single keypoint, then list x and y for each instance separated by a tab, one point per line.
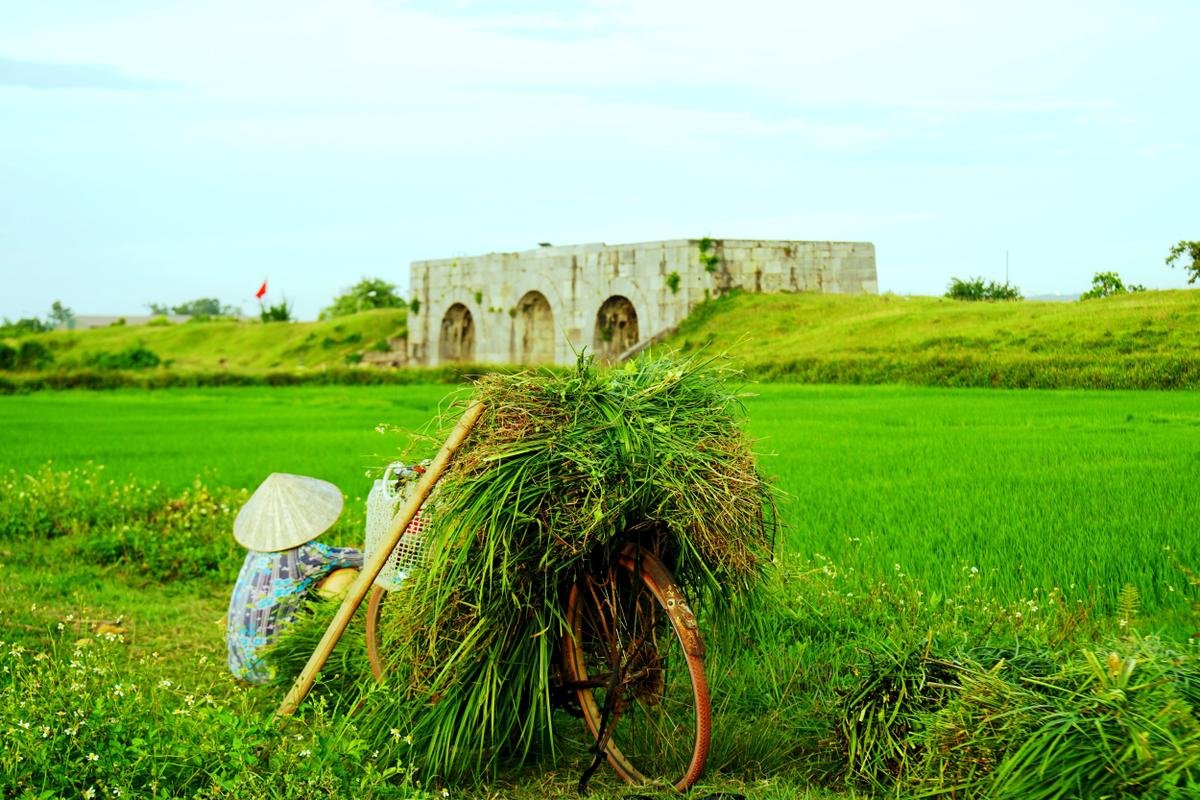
160	152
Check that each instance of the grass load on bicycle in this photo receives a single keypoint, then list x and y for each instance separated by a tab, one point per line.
581	526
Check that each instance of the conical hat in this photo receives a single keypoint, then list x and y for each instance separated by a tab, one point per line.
286	511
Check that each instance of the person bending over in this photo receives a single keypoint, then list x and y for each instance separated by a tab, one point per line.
278	525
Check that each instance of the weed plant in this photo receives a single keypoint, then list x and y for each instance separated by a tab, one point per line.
82	718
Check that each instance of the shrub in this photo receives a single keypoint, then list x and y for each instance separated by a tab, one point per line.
708	256
277	313
134	357
8	356
976	289
32	354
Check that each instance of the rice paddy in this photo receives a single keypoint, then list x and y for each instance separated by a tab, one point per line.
1086	491
919	525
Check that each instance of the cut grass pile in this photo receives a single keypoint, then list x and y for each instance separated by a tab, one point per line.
557	476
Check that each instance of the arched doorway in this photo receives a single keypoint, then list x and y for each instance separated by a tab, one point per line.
457	341
616	328
533	330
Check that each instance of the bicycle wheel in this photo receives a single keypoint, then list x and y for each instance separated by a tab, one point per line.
374	606
634	657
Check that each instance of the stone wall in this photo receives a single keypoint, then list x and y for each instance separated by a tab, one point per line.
541	306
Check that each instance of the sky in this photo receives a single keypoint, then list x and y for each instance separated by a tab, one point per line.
159	152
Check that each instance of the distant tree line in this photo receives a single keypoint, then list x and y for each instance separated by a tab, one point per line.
203	308
59	315
1185	253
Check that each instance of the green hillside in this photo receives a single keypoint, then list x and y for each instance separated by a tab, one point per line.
235	345
1142	340
1135	341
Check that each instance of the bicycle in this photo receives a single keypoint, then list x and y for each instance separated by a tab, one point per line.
631	660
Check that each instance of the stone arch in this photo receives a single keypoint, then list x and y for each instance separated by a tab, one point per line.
616	328
457	341
533	330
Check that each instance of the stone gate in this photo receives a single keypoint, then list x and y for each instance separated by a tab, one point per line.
541	306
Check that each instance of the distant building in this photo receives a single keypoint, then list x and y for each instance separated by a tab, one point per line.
85	321
544	305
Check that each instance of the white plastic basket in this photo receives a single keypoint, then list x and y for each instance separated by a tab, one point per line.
385	498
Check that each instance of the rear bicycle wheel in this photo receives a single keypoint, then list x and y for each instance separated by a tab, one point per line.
374	607
634	657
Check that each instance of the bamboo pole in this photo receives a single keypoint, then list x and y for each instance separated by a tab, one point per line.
360	587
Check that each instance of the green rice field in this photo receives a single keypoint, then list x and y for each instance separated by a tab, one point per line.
1022	491
971	582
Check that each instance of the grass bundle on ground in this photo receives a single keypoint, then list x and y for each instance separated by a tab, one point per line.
560	471
1044	725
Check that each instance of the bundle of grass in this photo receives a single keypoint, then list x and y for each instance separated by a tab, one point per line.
1042	725
559	473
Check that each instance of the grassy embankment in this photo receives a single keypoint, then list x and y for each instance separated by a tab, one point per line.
1148	340
245	345
1072	507
1145	340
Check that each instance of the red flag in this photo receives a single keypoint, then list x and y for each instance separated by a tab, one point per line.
261	291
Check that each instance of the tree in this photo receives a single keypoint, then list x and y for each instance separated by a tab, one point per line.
60	315
206	307
366	294
1192	251
200	308
1107	284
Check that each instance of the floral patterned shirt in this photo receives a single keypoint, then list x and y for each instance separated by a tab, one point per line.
269	590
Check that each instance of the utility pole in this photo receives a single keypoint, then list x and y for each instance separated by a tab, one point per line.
1006	268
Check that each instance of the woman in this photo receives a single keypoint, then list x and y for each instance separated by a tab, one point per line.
278	525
